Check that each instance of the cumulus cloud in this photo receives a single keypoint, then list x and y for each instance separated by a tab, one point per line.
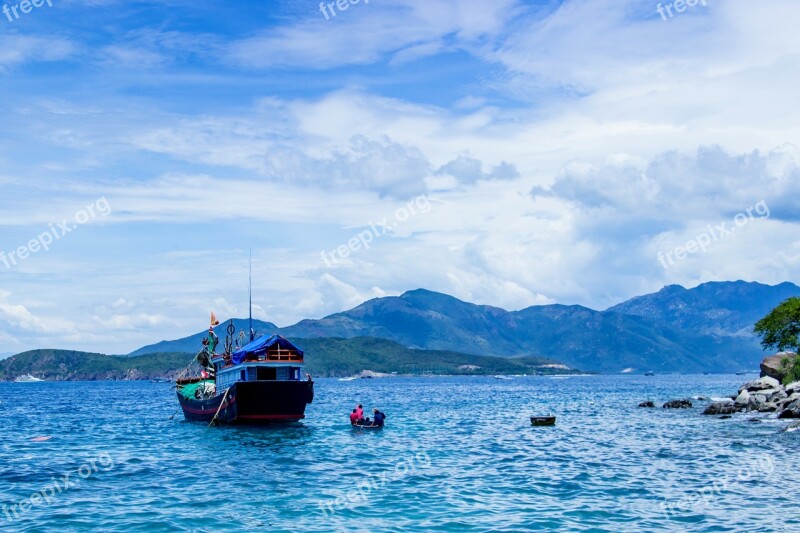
676	186
469	170
380	165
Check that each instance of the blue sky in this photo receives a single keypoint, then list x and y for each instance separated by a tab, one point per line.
559	146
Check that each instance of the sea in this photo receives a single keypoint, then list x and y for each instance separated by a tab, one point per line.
457	454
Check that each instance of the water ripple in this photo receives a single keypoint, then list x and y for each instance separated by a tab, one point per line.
458	454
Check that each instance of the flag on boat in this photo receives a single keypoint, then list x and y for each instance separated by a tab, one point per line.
214	321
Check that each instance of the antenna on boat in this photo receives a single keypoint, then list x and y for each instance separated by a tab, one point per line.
252	333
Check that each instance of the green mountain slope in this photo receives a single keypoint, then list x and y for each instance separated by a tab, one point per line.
324	357
345	357
65	365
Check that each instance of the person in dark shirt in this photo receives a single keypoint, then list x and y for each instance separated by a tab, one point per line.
379	417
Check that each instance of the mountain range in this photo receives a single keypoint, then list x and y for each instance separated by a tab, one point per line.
704	329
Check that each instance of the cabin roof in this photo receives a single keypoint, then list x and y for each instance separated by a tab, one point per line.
261	345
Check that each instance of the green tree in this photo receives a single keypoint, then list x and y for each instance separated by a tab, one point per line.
780	330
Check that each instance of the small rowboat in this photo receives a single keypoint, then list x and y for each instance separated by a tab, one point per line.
543	421
363	426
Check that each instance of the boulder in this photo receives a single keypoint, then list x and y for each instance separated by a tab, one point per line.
743	398
764	383
768	407
647	404
791	411
769	393
794	426
771	366
721	408
677	404
786	401
792	387
755	402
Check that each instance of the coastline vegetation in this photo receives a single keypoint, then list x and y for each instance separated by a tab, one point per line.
780	330
325	357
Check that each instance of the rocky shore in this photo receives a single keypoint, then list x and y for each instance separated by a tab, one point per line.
764	395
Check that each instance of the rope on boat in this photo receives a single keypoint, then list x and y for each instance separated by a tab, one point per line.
185	370
213	420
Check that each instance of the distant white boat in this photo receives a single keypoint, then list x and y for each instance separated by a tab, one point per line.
351	378
502	377
27	378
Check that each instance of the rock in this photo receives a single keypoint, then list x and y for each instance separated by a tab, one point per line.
725	417
764	383
791	388
743	398
791	411
647	404
772	366
754	420
780	394
721	408
755	402
702	399
768	408
786	401
792	427
677	404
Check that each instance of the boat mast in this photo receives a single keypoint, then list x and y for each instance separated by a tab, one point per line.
252	334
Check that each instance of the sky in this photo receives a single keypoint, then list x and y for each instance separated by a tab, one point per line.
509	153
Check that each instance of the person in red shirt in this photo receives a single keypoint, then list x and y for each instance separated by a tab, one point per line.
354	417
360	412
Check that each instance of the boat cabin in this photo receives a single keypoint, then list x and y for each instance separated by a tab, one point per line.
265	359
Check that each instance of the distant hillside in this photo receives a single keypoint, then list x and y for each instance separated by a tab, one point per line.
578	336
193	343
705	329
64	365
324	357
345	357
717	308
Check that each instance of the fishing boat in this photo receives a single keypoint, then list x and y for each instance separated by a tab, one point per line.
27	378
543	420
261	383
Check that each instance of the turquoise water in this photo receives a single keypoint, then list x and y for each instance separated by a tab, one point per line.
458	454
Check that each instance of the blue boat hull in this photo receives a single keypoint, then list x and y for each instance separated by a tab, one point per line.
253	402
